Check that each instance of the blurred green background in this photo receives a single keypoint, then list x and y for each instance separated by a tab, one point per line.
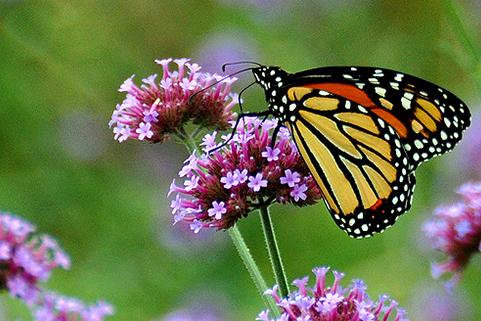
61	63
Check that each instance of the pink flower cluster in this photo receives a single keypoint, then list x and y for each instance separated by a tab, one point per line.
456	231
26	259
334	303
55	307
221	187
161	107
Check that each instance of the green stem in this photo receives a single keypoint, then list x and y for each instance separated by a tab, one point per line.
273	250
196	132
456	17
252	268
457	21
188	141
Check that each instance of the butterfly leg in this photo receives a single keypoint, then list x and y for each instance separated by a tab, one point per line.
274	135
240	96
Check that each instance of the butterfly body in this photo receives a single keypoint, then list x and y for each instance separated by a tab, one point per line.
362	132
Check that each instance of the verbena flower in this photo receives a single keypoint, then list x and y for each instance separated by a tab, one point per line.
164	106
221	187
467	157
54	307
332	303
429	302
201	305
456	231
26	259
195	314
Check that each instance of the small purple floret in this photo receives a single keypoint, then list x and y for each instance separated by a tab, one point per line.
256	182
290	178
217	210
271	154
298	192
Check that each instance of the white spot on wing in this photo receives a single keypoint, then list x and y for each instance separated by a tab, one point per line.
394	85
362	109
406	103
380	91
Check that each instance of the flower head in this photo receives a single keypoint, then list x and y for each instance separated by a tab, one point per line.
431	302
333	303
232	181
467	158
199	312
456	231
26	259
54	307
161	107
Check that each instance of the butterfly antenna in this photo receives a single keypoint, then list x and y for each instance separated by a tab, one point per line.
218	81
241	116
234	129
239	63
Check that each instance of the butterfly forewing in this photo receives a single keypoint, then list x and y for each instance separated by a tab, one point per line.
428	119
356	158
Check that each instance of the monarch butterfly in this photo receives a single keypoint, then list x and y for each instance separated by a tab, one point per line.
362	132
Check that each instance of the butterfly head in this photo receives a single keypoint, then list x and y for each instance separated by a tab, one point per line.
272	79
269	77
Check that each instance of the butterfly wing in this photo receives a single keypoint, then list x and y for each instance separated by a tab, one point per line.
356	158
429	120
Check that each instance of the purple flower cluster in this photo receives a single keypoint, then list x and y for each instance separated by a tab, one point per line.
221	187
456	231
55	307
26	259
334	303
161	107
201	311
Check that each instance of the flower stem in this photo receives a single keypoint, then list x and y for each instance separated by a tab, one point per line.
273	250
252	268
187	140
196	132
465	36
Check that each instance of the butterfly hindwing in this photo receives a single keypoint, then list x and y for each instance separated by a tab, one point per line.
428	119
357	160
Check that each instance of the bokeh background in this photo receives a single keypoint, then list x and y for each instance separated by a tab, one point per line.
61	63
